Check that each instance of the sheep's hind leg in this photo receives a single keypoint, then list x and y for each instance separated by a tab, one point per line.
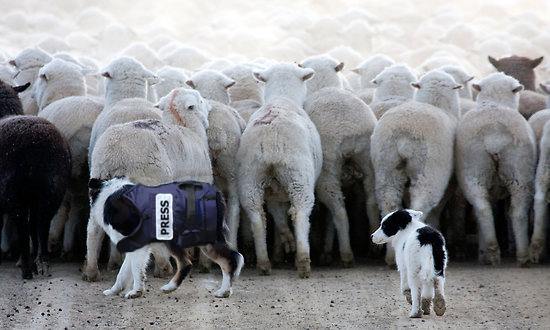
251	195
329	192
93	244
57	225
519	209
20	218
233	213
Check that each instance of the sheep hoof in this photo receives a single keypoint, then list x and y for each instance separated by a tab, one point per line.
91	274
264	267
133	294
43	268
535	251
54	246
347	260
164	271
325	259
304	268
426	305
407	294
288	241
110	292
439	305
26	274
113	265
416	314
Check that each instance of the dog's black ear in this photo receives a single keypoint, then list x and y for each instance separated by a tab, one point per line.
95	184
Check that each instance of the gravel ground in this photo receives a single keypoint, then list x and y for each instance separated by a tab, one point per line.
366	296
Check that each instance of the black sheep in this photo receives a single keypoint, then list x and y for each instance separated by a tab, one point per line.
35	167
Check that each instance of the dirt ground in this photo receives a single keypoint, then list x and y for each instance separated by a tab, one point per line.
366	296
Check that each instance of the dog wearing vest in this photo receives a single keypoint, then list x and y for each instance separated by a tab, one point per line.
421	259
178	215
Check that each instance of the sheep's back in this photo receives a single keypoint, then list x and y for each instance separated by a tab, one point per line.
35	162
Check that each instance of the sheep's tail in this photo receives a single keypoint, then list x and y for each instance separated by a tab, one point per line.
404	147
495	138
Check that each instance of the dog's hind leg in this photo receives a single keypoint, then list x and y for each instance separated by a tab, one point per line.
138	262
231	263
184	266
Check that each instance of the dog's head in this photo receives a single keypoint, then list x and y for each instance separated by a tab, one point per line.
392	223
96	186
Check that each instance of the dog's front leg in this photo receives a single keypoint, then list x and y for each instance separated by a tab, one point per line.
121	279
138	262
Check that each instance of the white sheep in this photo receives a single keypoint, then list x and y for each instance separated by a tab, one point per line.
542	185
495	148
60	92
125	101
393	87
414	143
345	125
280	151
27	63
126	82
224	135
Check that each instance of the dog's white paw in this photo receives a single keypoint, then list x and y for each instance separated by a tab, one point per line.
110	292
223	293
133	294
168	287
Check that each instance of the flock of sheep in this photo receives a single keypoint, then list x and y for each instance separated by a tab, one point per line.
274	135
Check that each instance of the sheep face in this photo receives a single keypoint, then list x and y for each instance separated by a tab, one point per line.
521	68
394	81
286	81
326	72
212	85
185	107
500	89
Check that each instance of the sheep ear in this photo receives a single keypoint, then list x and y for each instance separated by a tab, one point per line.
307	73
191	84
259	76
356	70
107	75
22	88
469	79
12	63
493	61
458	87
545	88
536	62
415	85
300	65
476	87
517	89
375	82
229	83
339	67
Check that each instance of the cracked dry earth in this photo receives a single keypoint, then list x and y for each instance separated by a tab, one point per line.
366	296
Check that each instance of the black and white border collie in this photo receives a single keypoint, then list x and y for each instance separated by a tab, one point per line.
421	259
135	263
